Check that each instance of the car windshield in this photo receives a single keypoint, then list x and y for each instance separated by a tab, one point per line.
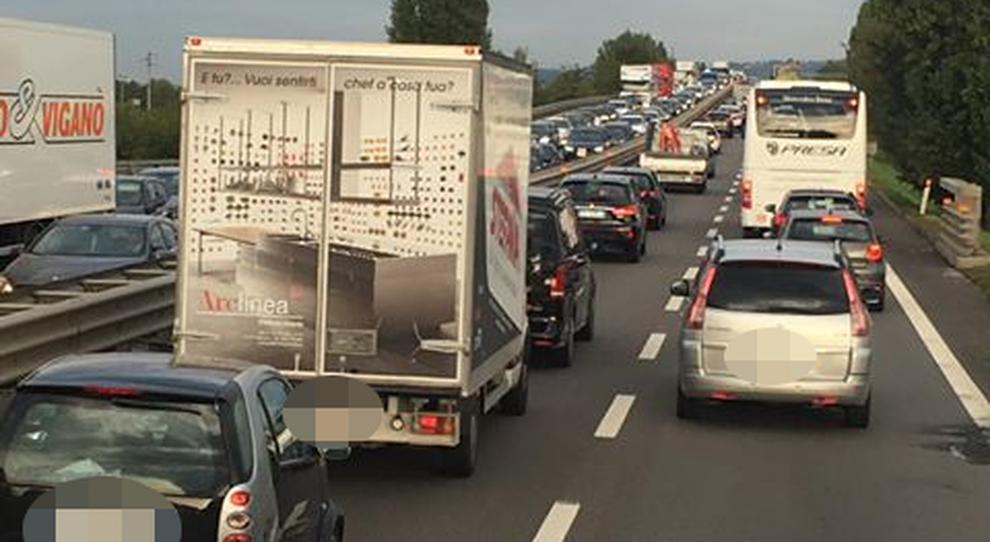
129	193
773	287
542	238
175	449
820	203
586	137
807	114
100	240
816	230
598	192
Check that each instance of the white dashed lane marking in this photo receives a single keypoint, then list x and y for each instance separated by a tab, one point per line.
652	347
612	422
723	209
728	199
691	273
675	304
712	233
558	522
702	252
719	219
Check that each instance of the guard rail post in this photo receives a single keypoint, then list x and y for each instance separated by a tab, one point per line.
959	234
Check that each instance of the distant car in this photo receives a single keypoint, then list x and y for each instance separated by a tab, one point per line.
140	195
650	191
169	175
543	132
545	155
82	245
812	199
619	131
586	141
860	241
621	107
749	299
637	123
563	126
560	284
722	122
213	442
611	214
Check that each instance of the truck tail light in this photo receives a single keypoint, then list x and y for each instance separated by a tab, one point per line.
696	316
860	320
558	282
434	424
747	194
874	253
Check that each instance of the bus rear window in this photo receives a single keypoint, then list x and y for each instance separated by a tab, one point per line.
807	114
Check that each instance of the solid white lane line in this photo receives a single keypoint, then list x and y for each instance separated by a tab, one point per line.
719	219
615	416
691	273
712	233
969	393
723	209
732	190
675	304
652	346
728	199
702	251
558	522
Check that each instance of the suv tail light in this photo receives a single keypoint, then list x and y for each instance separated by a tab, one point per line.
558	282
874	253
860	319
628	211
747	194
779	219
696	316
239	497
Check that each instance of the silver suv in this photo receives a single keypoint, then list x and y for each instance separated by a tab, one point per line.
775	321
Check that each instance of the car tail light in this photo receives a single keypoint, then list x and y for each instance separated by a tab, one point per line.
238	520
628	211
105	391
239	537
762	100
558	282
240	497
779	219
853	103
696	316
874	253
747	194
860	320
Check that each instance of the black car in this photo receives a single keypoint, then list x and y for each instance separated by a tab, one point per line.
211	441
650	191
83	245
550	155
611	215
585	142
619	131
812	199
560	284
141	195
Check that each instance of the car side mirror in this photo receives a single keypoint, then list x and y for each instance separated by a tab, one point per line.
681	288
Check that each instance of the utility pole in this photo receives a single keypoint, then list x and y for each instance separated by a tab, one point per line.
149	62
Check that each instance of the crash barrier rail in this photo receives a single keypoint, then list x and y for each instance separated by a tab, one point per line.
107	310
960	220
130	167
551	109
626	152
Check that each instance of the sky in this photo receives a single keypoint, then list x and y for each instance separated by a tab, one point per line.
555	32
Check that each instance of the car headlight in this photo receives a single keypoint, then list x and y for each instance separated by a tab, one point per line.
6	287
600	148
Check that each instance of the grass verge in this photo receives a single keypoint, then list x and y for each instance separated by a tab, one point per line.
907	197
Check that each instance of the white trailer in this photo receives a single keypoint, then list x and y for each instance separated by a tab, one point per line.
57	140
360	210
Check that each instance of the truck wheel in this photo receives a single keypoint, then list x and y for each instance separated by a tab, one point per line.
858	416
461	460
587	333
514	403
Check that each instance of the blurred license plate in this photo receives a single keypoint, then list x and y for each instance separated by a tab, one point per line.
591	213
582	153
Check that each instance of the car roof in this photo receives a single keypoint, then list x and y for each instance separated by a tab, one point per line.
109	219
601	177
159	169
814	214
818	192
143	372
627	170
778	250
137	178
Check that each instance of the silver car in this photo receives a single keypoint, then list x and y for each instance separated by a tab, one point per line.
775	321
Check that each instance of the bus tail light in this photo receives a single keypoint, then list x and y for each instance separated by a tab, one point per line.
747	194
861	194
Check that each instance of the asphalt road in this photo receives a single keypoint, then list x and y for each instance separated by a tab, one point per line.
738	474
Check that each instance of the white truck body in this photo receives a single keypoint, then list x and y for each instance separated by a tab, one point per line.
692	166
357	209
686	72
57	138
639	80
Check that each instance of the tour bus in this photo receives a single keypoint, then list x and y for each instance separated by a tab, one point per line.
801	134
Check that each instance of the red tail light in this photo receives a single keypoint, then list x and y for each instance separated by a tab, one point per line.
432	424
874	253
860	319
762	100
779	219
861	195
831	219
747	194
853	103
629	211
239	537
696	316
240	498
558	282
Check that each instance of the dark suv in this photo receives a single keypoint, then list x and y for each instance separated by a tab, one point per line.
560	284
650	191
610	213
212	441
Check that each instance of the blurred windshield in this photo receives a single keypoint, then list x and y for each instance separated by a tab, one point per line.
816	230
807	114
598	192
107	240
129	193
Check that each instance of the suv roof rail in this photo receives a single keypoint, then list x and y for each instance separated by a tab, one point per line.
719	243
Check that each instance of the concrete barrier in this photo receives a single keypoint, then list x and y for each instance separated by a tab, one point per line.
960	220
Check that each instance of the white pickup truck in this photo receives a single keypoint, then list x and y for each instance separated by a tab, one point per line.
692	165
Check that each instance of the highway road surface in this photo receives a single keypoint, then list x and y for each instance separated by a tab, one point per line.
601	457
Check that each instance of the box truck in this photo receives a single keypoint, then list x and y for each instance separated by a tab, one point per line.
360	210
57	141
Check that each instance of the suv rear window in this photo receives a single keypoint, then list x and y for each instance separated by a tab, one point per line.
599	192
173	448
773	287
542	237
816	230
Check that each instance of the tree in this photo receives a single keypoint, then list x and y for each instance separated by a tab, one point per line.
573	82
627	48
143	134
521	54
836	70
440	22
